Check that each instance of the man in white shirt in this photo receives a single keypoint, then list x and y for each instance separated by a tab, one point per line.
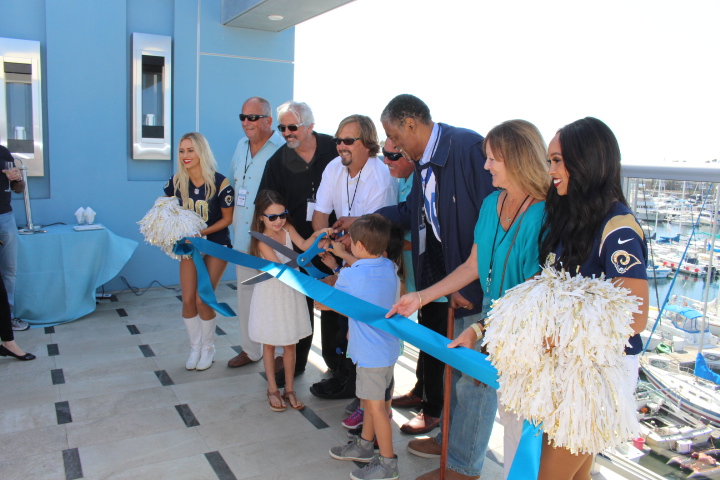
246	170
353	184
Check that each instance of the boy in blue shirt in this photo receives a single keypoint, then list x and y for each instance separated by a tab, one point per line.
371	278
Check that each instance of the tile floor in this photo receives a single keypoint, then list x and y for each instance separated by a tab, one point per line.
109	398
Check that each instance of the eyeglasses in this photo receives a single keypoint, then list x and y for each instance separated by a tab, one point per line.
281	216
252	118
346	141
392	156
292	128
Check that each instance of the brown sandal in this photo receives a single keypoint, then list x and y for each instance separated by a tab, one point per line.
292	399
276	394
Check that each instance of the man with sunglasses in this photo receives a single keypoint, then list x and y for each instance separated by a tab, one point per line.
353	184
246	169
295	171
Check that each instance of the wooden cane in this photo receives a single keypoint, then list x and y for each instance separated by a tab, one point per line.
446	399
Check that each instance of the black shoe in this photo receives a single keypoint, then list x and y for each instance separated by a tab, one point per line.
4	352
280	376
332	388
355	432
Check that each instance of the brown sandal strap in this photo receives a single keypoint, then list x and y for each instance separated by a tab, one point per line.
277	395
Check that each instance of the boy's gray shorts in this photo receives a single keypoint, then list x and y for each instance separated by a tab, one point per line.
372	383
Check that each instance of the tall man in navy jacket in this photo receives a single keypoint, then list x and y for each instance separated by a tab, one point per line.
441	211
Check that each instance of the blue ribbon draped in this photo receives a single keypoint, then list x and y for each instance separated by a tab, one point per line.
470	362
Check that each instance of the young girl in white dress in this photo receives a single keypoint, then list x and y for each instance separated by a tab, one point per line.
278	313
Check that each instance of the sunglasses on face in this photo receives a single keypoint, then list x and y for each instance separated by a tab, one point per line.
392	156
292	128
252	118
346	141
281	216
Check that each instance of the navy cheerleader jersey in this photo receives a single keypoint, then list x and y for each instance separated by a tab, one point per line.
209	209
619	250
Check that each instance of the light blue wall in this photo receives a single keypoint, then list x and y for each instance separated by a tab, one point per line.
86	47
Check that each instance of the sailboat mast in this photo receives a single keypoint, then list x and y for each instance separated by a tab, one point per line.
708	277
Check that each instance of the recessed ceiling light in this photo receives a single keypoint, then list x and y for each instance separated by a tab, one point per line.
276	18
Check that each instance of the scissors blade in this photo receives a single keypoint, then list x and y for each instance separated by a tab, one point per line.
261	277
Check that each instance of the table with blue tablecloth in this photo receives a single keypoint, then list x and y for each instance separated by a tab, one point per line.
58	272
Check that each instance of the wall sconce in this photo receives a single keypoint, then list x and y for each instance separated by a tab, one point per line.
151	93
21	101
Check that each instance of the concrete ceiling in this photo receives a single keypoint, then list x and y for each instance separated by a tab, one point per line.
254	14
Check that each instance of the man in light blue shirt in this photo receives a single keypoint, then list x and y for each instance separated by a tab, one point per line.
246	170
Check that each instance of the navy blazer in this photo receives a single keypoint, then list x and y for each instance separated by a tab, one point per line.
462	185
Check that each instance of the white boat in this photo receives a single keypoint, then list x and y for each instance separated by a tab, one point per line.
686	323
692	394
658	271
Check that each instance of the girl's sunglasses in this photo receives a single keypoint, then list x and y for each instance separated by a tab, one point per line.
346	141
392	156
292	128
281	216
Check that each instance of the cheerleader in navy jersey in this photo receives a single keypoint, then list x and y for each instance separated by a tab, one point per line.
200	188
589	229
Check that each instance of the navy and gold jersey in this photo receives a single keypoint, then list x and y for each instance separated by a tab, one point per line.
209	209
619	250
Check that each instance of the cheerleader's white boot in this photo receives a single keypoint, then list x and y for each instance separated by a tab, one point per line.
193	327
207	354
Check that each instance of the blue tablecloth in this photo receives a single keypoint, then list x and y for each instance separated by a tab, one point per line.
59	271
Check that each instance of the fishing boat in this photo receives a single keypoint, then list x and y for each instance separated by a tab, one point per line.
692	394
658	271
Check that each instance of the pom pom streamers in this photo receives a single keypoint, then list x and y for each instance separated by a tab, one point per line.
166	223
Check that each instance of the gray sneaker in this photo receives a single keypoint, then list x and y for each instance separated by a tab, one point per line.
19	325
357	449
380	468
352	406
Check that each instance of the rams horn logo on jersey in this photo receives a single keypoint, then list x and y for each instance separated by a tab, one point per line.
228	200
624	261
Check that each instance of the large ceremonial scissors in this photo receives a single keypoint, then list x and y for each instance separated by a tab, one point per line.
303	260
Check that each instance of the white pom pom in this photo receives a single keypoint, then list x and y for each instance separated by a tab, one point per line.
166	223
577	388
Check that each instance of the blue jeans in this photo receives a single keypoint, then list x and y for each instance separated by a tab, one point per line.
8	256
472	416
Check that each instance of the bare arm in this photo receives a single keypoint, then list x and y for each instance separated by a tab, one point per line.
320	220
225	221
639	288
464	274
268	253
301	243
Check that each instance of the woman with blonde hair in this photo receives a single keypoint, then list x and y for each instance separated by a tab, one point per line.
199	188
504	255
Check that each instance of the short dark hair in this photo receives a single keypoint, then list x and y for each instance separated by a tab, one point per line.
373	230
404	106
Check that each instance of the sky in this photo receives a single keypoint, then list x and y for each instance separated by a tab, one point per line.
649	69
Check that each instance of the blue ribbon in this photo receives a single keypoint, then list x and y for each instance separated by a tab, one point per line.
470	362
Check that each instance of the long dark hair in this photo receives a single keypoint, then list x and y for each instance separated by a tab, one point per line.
591	155
264	199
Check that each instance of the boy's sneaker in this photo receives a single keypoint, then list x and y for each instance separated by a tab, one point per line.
352	406
357	449
354	420
380	468
19	325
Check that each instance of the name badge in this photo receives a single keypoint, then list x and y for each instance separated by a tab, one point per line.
310	209
241	196
422	231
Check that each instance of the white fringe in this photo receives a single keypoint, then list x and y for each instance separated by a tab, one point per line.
578	389
166	223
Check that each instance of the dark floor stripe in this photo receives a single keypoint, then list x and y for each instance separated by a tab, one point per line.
53	349
222	470
237	348
133	330
121	312
164	378
113	298
73	467
219	331
62	412
232	285
49	329
187	415
179	297
146	351
313	418
262	374
58	377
